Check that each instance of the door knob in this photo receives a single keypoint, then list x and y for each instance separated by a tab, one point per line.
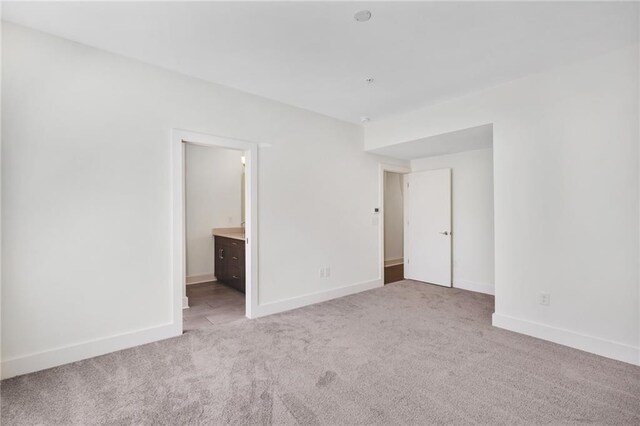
445	233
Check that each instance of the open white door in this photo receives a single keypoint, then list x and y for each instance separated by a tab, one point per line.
427	227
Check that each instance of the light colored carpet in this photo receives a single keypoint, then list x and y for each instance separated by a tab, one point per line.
407	353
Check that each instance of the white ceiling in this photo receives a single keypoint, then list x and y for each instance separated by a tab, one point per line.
480	137
316	56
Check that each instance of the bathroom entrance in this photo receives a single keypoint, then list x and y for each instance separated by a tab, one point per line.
215	236
215	229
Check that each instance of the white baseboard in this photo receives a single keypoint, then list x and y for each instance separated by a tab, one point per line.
197	279
92	348
594	345
393	262
185	302
310	299
65	355
475	286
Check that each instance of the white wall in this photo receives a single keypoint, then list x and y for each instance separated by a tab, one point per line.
86	188
1	372
393	217
566	197
213	180
472	215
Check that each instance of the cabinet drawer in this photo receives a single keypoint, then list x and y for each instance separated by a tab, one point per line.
236	258
235	243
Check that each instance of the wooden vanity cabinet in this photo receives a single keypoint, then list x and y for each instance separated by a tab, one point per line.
229	262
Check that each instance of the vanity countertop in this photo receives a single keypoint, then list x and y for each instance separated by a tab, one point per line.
235	233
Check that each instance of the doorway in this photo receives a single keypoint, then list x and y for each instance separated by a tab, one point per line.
392	229
244	235
214	218
416	222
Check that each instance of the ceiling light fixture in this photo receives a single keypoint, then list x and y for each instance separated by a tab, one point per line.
362	16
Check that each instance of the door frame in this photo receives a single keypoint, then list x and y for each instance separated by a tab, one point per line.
393	168
179	138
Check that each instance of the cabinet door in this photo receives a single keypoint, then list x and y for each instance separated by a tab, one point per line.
221	254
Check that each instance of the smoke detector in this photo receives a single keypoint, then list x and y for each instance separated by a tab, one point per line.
362	16
365	120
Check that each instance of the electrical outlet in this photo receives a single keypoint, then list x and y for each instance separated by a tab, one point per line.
545	299
324	272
